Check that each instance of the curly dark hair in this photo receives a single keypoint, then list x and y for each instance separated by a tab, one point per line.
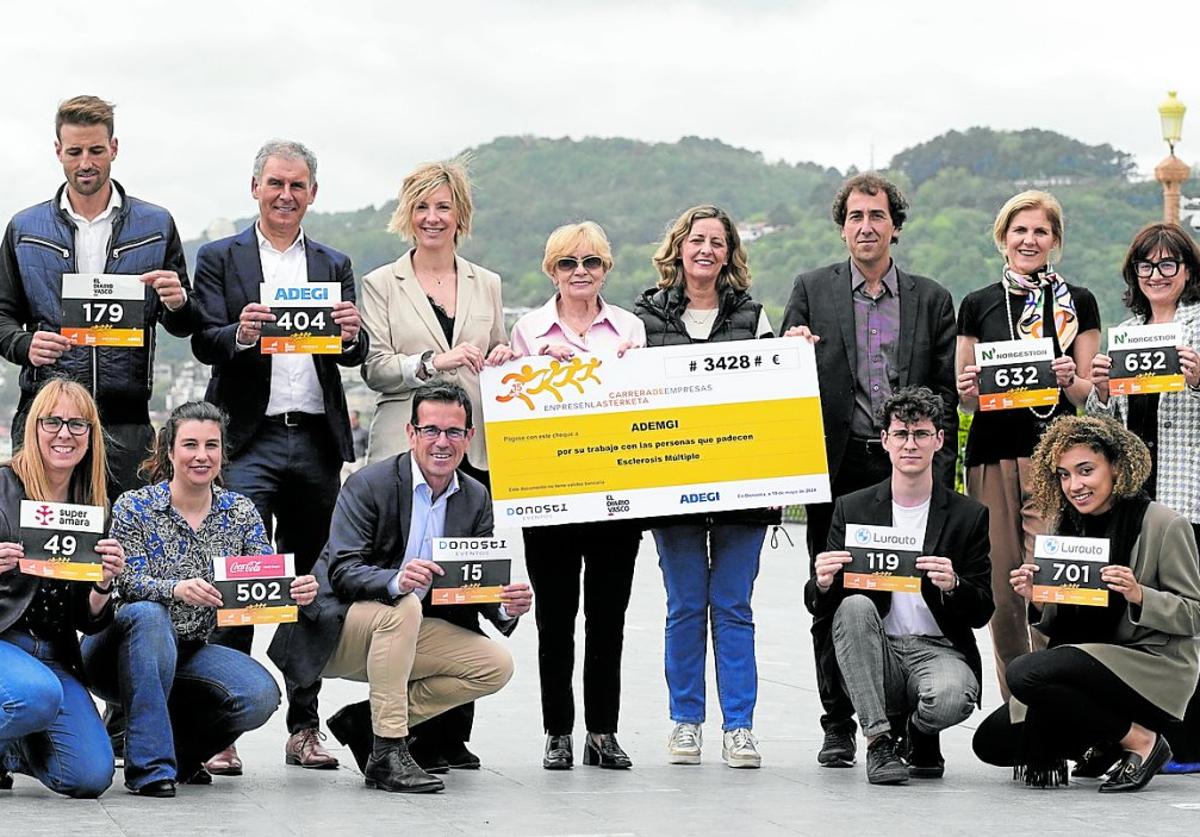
1125	452
1172	239
911	404
870	183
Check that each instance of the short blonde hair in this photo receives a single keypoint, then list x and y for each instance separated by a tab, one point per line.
667	258
421	183
89	484
1031	199
569	237
1125	452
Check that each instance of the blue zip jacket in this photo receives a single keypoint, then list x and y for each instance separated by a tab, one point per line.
38	248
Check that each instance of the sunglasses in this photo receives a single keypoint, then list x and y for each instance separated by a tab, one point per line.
570	263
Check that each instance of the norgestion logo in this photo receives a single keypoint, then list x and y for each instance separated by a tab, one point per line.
530	382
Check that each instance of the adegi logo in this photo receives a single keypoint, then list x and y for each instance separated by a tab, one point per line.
862	536
616	505
700	497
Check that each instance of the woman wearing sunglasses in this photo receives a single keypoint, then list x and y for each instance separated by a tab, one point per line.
49	727
577	320
186	699
1113	679
1162	285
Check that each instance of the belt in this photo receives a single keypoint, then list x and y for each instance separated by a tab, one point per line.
295	419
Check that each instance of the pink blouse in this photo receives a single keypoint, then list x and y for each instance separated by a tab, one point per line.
542	327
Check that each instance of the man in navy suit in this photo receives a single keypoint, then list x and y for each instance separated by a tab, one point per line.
876	328
289	428
908	660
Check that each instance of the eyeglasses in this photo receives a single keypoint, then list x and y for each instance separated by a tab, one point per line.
75	426
570	263
921	437
431	432
1166	268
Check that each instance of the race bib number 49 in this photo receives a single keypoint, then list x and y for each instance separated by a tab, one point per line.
103	310
255	589
60	539
1145	359
1015	374
1069	570
883	558
303	319
476	570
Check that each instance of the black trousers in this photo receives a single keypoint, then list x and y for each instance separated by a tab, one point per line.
555	556
1083	701
292	475
863	464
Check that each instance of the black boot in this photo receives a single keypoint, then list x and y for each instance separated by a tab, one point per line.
351	726
391	768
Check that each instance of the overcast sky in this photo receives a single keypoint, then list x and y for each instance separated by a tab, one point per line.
375	87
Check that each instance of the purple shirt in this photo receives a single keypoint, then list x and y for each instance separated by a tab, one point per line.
542	327
876	329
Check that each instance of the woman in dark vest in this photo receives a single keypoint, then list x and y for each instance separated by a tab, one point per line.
709	562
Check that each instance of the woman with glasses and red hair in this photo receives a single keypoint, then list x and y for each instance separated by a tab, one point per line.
1162	285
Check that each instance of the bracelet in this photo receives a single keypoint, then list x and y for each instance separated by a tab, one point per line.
103	591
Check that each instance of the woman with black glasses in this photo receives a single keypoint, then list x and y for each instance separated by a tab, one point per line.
1162	285
577	320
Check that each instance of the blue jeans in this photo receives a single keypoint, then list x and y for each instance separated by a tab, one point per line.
185	700
709	574
49	727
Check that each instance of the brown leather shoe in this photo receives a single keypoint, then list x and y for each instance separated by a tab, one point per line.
304	748
225	763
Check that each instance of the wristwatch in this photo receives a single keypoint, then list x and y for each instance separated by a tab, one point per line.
426	369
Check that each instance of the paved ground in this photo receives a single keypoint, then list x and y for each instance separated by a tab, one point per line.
513	795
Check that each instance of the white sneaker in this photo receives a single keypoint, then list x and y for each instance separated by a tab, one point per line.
683	747
739	748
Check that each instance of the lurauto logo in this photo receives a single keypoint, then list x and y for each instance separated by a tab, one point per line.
1051	546
700	497
862	536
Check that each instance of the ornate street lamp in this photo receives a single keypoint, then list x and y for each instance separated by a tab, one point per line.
1171	172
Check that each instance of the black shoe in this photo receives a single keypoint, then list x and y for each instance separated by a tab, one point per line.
6	779
559	753
1096	761
1133	774
162	789
351	726
459	757
838	750
884	765
427	754
395	770
197	775
603	750
924	754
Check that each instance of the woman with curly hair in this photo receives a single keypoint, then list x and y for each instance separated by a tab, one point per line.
1112	678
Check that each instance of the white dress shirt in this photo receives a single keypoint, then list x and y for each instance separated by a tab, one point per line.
295	387
92	237
909	615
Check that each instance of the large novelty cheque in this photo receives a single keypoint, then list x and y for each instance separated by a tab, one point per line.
661	431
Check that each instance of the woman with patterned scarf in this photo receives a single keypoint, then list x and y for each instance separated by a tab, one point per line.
1115	677
1028	232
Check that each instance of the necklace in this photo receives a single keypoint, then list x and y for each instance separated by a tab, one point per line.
1012	333
707	315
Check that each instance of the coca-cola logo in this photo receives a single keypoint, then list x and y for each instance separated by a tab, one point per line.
255	566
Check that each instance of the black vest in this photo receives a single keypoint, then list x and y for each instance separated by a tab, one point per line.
661	309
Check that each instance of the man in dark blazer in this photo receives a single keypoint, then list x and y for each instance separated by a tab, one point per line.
289	429
367	621
909	660
876	329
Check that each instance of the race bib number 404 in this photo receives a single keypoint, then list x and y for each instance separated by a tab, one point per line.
476	570
1069	570
883	558
660	431
60	539
1145	359
255	589
303	319
1015	374
103	310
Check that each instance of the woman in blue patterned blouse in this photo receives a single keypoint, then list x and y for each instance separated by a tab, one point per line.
186	699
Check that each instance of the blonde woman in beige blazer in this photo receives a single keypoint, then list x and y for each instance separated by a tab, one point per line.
431	312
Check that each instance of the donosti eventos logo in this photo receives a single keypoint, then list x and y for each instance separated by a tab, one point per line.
531	382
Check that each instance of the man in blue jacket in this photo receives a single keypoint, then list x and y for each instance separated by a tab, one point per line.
91	226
